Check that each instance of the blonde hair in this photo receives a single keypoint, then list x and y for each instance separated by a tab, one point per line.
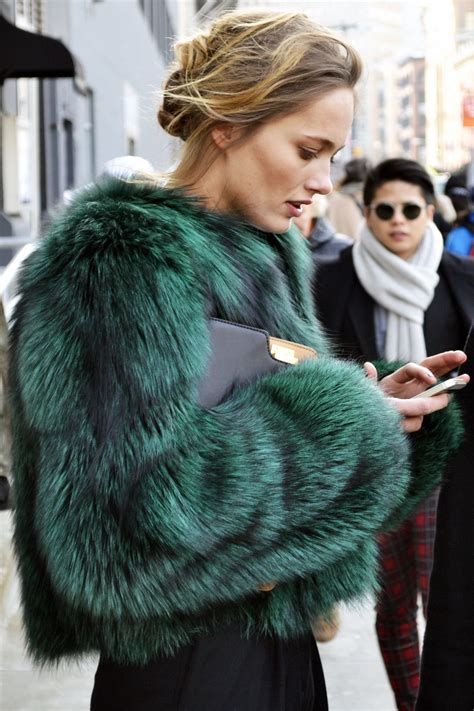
247	68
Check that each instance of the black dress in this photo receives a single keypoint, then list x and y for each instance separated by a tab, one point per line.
221	672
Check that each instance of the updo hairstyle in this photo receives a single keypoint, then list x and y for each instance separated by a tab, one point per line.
247	68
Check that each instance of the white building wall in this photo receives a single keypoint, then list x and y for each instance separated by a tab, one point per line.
20	142
465	72
120	58
123	69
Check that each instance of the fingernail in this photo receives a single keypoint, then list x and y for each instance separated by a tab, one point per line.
429	373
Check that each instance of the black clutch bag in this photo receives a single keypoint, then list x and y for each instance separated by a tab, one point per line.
239	355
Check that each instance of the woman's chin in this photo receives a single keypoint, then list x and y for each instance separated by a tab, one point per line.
276	226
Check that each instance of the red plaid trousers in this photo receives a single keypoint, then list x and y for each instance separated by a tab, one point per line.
406	559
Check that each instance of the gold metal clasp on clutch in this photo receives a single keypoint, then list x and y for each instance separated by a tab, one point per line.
289	352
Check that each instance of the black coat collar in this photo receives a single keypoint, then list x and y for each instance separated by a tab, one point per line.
340	296
459	273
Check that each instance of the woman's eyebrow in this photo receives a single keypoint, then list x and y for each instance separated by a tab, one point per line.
325	141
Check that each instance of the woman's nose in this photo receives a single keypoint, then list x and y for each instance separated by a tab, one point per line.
320	182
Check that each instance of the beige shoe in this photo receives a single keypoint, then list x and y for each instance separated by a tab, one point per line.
326	628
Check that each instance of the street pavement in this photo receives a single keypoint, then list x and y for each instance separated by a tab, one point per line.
353	667
352	664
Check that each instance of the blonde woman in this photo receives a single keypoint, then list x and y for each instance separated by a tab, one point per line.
192	547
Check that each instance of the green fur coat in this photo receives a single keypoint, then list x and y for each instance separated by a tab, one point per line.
142	520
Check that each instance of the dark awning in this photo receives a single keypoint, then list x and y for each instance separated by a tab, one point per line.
26	54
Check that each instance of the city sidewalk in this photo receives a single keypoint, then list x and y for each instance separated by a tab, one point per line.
354	672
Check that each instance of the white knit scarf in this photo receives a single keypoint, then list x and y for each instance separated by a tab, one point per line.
405	288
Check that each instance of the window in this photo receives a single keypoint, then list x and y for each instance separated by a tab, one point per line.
69	153
159	21
32	12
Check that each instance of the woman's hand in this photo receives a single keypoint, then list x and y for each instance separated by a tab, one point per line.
412	379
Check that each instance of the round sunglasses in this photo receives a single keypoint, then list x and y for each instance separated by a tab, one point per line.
385	210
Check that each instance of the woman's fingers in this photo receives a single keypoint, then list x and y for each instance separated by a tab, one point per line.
443	363
419	407
370	371
413	378
413	371
413	410
412	424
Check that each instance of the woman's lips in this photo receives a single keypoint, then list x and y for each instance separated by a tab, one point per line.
295	209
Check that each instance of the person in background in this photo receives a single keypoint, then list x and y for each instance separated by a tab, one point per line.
345	210
325	245
460	240
322	239
191	547
396	295
456	189
121	167
447	664
444	215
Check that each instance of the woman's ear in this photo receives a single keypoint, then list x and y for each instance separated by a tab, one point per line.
225	135
430	211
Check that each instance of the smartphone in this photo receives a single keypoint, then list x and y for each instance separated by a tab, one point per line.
445	386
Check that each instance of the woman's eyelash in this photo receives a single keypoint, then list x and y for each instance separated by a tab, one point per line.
307	155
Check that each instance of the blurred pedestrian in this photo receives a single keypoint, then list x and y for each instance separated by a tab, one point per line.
397	295
444	215
322	239
122	167
456	189
447	665
325	245
460	240
147	527
345	210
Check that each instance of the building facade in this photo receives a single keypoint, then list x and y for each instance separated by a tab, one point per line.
410	84
464	66
123	49
57	134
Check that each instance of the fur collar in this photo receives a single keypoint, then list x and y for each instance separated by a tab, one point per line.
247	275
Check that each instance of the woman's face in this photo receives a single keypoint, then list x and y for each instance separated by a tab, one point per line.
267	177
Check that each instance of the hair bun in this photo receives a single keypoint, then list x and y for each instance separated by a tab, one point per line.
247	68
193	54
177	114
172	112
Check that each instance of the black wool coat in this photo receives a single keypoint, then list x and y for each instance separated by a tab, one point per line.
347	312
447	667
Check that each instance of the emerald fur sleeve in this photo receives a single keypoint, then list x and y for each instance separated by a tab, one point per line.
134	504
439	437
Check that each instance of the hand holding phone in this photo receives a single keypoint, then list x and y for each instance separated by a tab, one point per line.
445	386
403	386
